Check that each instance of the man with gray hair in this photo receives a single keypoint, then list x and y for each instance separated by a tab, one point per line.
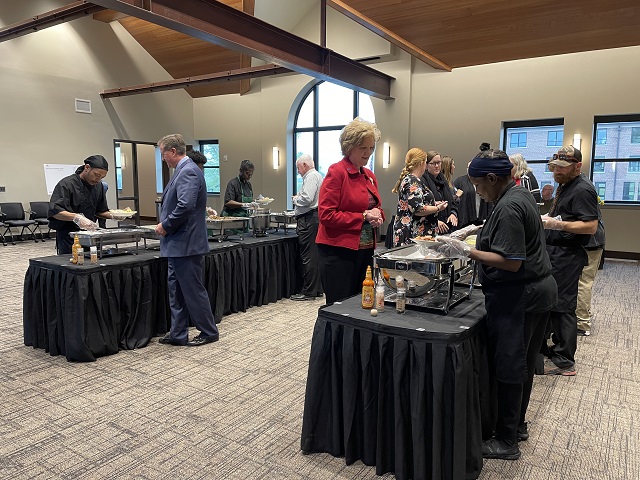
306	212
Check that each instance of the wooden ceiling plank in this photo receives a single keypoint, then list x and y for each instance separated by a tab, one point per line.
217	23
49	19
387	35
228	76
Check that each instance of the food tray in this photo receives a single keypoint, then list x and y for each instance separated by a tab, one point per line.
108	236
123	213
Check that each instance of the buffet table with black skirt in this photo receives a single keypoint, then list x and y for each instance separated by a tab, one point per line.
120	303
401	392
272	268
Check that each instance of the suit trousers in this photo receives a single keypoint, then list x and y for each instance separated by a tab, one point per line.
188	299
307	229
585	284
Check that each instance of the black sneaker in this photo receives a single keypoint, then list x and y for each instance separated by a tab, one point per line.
523	432
495	448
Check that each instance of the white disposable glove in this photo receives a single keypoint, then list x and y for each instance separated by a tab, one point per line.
452	248
83	222
551	223
465	232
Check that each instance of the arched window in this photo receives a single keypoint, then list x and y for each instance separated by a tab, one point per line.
322	114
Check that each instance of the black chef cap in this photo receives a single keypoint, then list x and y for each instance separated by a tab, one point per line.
490	161
97	161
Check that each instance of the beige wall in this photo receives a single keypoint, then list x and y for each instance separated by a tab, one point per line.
40	76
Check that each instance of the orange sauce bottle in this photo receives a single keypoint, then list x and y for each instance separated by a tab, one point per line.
368	293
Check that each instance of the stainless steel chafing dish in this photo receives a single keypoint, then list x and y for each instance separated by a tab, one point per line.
429	280
109	236
284	219
220	227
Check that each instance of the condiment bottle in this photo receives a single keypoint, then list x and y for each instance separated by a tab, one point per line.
74	249
80	255
94	254
380	298
401	300
368	294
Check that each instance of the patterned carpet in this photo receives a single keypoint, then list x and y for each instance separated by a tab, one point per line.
233	410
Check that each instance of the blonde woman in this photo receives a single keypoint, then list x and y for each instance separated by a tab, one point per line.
523	175
417	210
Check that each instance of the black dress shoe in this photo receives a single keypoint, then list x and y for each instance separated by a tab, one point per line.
167	340
523	432
495	448
200	340
300	297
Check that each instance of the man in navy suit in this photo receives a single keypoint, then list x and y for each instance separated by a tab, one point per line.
183	241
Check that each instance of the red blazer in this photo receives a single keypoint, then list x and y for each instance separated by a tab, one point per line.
343	199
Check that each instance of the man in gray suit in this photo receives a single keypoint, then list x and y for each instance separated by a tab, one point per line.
183	232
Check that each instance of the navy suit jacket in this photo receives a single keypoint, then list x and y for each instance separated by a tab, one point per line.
183	213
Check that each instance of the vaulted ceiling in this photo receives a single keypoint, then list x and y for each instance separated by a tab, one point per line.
452	33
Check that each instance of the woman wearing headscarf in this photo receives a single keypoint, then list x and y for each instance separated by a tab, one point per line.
417	210
349	211
515	273
435	181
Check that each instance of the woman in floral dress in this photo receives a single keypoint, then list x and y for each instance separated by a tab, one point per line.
417	210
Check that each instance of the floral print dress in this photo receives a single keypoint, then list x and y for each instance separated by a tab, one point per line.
413	195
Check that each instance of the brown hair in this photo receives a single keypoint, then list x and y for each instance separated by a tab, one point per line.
447	169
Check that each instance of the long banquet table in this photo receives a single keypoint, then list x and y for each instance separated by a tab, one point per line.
406	393
84	312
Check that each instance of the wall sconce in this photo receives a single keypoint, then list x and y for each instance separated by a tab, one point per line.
276	158
386	154
577	141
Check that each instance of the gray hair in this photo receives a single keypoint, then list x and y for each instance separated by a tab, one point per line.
355	132
175	140
305	159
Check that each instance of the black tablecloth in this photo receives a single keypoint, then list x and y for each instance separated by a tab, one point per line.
271	267
88	311
92	310
401	392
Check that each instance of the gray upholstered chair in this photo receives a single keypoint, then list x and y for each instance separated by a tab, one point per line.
39	213
14	218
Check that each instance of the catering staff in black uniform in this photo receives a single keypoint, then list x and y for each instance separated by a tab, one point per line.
519	289
78	200
239	193
435	181
576	203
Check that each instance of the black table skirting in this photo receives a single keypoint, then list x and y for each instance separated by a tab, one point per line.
88	311
401	392
271	268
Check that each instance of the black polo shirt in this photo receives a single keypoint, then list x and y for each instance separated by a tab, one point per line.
514	230
236	189
577	200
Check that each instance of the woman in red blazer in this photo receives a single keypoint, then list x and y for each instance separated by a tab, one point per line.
349	210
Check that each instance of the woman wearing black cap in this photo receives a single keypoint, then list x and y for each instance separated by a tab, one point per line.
515	273
78	200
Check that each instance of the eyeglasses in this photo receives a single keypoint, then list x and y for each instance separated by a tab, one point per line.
565	157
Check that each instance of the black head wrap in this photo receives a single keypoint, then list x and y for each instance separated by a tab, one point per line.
490	161
97	161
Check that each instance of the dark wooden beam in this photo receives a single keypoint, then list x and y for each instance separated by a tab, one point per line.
387	35
49	19
222	25
228	76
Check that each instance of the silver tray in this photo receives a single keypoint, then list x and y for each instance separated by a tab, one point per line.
109	236
219	227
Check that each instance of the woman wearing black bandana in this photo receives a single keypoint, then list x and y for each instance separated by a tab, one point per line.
515	273
435	181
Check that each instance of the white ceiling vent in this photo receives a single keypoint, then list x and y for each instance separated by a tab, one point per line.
83	106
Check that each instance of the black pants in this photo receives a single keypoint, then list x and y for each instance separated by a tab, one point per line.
64	241
307	230
567	266
342	271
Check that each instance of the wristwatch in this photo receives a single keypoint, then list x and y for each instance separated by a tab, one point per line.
364	216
